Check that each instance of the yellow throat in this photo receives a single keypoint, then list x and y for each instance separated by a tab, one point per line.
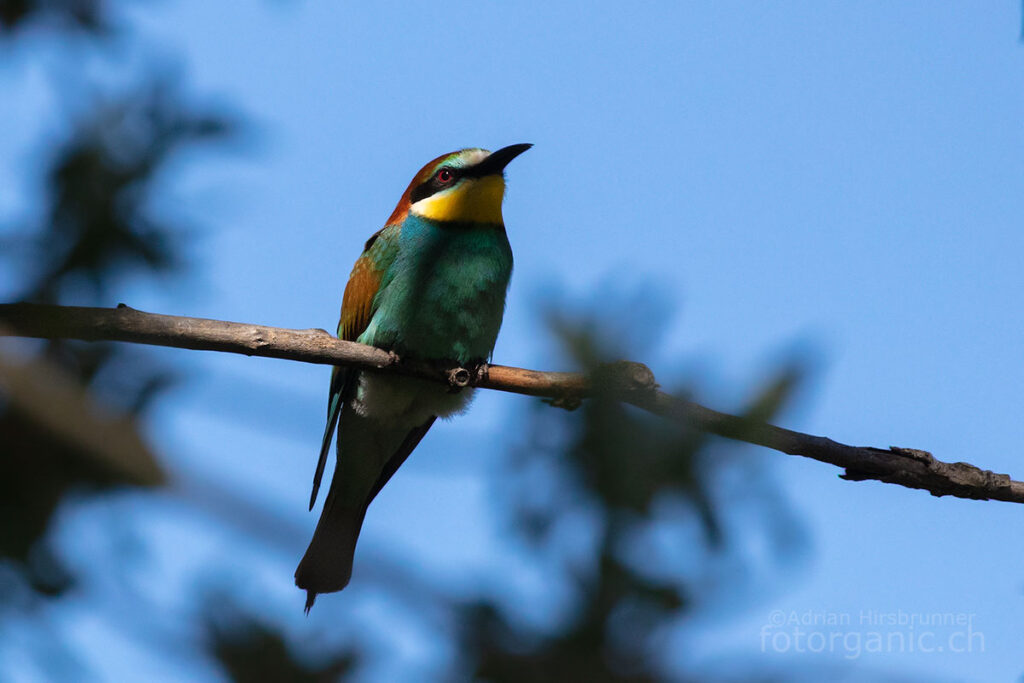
474	200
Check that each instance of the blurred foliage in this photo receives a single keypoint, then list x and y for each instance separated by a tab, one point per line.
36	472
64	15
251	650
99	225
618	466
96	230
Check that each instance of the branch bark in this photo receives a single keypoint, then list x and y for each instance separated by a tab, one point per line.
627	381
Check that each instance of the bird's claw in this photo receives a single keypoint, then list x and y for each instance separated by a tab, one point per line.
479	372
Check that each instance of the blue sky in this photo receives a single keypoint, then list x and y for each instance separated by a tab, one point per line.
835	177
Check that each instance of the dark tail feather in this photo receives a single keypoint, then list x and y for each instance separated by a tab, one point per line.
327	564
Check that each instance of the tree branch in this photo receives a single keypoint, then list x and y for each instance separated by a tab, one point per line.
629	382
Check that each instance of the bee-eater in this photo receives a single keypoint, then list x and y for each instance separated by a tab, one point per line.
429	285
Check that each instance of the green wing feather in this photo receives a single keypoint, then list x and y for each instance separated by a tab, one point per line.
335	400
357	308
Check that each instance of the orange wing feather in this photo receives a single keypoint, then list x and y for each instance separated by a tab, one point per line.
357	304
356	311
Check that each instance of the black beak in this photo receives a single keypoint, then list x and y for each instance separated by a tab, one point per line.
496	163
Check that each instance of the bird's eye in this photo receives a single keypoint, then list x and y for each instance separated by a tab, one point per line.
445	175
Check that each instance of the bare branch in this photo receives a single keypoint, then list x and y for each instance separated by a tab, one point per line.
627	381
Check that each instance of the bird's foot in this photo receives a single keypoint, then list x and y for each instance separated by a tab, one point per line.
478	371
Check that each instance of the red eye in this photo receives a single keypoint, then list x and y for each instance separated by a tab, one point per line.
445	175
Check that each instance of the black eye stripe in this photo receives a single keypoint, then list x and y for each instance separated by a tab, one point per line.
433	185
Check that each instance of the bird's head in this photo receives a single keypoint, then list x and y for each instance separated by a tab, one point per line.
465	186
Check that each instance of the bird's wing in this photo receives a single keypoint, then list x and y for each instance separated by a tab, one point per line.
357	308
335	399
412	439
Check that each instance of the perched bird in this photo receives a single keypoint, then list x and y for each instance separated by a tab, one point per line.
429	285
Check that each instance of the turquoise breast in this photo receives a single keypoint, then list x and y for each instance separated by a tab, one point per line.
443	296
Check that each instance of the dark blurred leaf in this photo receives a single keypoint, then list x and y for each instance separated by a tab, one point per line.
36	471
100	225
54	438
252	650
62	15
